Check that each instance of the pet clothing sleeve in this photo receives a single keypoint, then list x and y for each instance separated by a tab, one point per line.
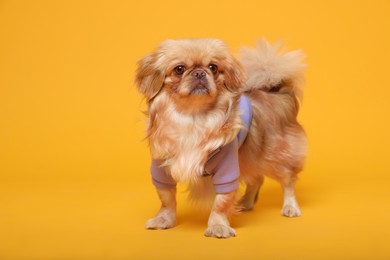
160	178
224	168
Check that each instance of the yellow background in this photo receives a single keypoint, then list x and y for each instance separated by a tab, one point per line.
74	180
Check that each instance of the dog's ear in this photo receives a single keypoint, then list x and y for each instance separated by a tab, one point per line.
149	78
234	75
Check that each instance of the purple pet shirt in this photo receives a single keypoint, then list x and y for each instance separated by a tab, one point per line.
222	165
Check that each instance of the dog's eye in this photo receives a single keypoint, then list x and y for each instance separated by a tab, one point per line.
276	87
180	69
213	68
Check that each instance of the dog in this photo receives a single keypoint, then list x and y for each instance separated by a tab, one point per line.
214	120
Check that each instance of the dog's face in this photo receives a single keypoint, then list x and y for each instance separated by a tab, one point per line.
192	72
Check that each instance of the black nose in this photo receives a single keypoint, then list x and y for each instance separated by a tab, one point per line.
198	74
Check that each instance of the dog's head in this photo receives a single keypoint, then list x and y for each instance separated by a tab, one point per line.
193	72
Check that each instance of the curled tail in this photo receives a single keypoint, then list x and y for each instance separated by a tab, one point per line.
270	68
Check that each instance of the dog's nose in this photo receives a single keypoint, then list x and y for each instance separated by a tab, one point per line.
198	74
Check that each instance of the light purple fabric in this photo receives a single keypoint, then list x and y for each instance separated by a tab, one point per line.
246	117
222	165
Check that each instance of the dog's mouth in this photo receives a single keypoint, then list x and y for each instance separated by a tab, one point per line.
200	88
200	91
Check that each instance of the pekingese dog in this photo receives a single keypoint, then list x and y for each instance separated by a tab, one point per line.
214	120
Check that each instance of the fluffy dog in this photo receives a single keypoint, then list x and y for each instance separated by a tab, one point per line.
214	120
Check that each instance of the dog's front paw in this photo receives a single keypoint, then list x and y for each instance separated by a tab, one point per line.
220	231
291	211
160	222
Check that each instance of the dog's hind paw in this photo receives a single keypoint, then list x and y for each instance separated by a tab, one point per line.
291	211
220	231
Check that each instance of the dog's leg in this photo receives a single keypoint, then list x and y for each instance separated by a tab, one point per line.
218	224
166	217
250	197
290	204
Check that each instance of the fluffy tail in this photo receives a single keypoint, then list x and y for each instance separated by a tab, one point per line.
270	68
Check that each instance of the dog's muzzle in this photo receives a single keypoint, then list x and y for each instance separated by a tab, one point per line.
199	82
